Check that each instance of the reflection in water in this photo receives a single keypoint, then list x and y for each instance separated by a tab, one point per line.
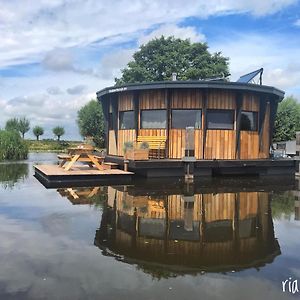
84	195
12	173
167	234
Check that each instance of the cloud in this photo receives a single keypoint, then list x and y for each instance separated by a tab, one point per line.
30	32
166	30
76	90
58	60
54	90
297	23
248	52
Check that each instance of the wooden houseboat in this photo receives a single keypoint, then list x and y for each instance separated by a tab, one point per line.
213	127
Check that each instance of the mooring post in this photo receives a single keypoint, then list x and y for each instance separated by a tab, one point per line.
126	162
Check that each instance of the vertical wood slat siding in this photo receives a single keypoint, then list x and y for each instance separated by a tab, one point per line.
112	149
128	135
152	99
185	99
220	144
264	153
249	140
126	101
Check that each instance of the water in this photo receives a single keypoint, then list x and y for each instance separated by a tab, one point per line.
219	239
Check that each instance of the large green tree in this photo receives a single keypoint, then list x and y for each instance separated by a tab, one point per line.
287	120
159	58
90	121
58	131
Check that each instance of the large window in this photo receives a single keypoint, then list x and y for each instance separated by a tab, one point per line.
127	119
220	119
182	118
154	118
249	121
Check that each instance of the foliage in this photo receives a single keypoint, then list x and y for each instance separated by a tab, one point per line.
20	125
24	126
127	146
50	145
38	131
90	121
12	146
144	145
283	205
159	58
12	125
287	120
12	173
58	131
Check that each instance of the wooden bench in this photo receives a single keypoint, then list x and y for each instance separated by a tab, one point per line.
156	143
64	158
110	165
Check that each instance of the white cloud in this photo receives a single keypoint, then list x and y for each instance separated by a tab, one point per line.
28	32
253	51
59	60
77	89
166	30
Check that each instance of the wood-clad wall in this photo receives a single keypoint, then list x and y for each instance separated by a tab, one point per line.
219	143
152	99
185	99
249	140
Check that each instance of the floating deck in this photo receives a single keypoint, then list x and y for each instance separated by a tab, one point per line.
55	176
207	168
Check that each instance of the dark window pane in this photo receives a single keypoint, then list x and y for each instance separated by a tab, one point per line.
127	119
110	122
154	118
182	118
249	120
220	119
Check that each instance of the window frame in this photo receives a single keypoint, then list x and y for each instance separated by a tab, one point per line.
155	109
220	110
186	109
251	111
122	112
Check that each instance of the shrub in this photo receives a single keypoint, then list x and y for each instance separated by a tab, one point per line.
127	146
144	145
12	147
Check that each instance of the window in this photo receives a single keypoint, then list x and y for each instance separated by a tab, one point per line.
249	121
154	118
220	119
127	119
182	118
110	122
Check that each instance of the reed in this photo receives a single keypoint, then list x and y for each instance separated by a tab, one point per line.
12	147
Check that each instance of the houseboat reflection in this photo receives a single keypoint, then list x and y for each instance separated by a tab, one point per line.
188	232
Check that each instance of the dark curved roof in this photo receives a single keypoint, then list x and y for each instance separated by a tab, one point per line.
218	84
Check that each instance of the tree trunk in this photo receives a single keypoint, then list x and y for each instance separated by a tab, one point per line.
37	137
23	135
58	137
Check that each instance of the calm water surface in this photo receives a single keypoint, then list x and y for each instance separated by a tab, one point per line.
226	239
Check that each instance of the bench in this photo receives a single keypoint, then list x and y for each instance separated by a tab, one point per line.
110	165
64	158
156	143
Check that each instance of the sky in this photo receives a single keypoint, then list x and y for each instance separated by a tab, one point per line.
56	54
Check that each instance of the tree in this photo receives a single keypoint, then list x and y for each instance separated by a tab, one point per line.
12	125
38	131
287	120
58	131
24	126
90	121
159	58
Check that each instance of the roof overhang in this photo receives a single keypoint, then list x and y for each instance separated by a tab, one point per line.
234	86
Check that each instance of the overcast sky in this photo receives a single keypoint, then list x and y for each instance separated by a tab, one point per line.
55	54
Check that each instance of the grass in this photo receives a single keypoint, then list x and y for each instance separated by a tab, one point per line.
50	145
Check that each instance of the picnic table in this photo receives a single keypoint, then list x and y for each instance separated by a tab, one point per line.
82	153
